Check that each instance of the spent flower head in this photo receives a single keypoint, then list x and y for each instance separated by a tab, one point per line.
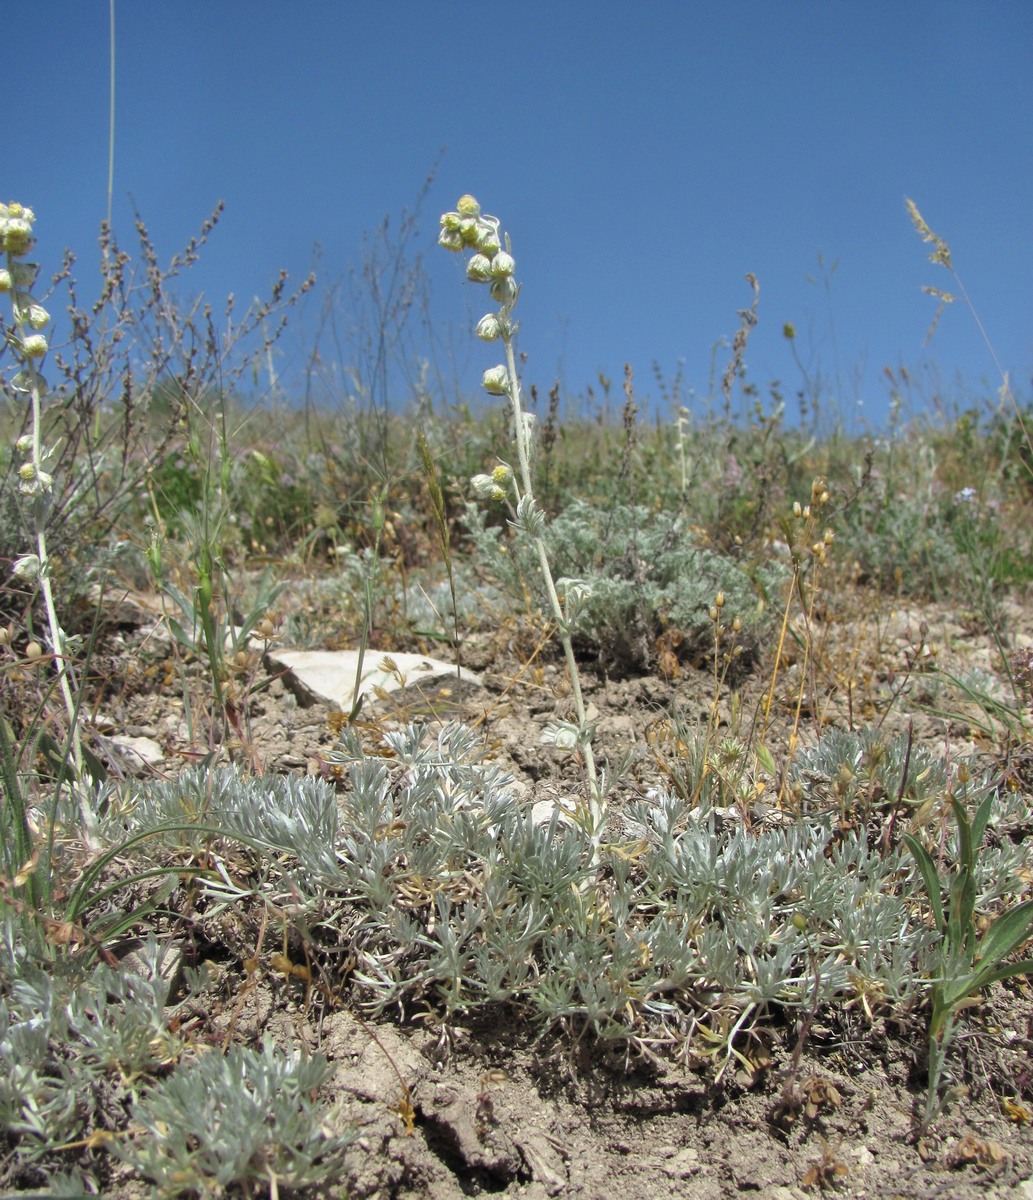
36	316
489	328
478	269
16	228
26	567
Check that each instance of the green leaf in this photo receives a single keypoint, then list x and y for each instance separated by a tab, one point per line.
982	818
960	927
964	833
766	759
930	877
1006	934
187	641
1008	971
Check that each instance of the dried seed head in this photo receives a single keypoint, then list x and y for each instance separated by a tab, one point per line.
451	239
487	239
26	567
504	290
37	316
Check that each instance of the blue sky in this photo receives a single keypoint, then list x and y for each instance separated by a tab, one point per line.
643	156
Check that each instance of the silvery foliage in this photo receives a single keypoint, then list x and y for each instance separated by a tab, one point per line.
278	814
62	1035
79	1049
858	768
867	769
241	1117
463	900
450	897
751	892
635	565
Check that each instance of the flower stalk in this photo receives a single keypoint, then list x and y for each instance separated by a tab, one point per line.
468	229
29	346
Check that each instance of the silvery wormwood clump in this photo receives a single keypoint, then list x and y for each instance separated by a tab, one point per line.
449	896
425	869
457	900
77	1044
469	230
243	1117
644	574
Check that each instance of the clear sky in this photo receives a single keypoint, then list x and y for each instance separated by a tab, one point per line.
644	156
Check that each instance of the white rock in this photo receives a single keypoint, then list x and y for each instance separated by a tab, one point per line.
544	810
329	675
141	749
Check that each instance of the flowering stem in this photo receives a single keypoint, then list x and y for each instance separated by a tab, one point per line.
596	813
64	666
467	228
29	346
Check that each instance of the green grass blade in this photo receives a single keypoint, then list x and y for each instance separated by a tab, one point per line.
930	878
1006	934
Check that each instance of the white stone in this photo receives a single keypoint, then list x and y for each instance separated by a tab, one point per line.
544	810
143	749
329	675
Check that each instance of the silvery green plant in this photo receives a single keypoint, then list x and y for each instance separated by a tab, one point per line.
642	574
80	1044
458	899
247	1117
276	817
28	346
469	230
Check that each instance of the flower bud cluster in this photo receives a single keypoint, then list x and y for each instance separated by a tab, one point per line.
27	342
467	228
497	486
16	278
